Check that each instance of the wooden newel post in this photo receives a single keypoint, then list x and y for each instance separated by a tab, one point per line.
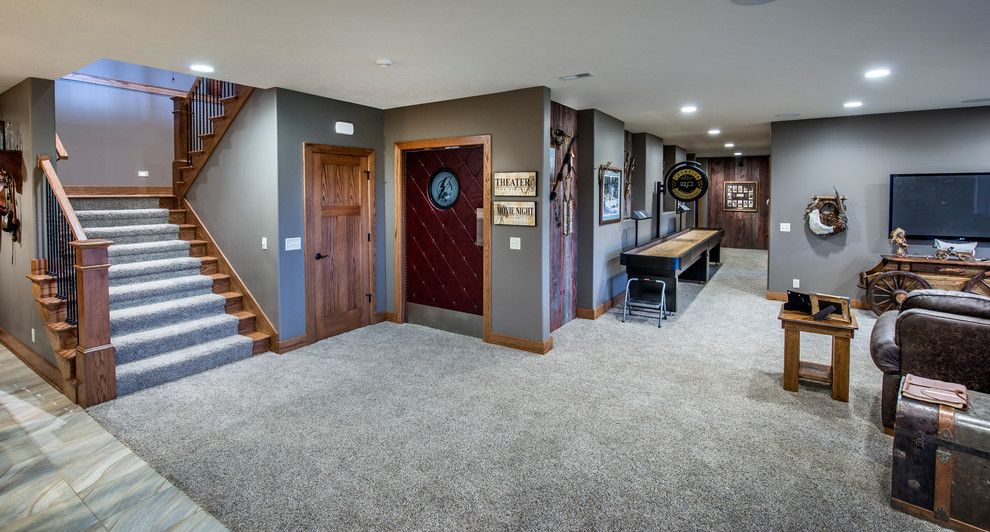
96	366
180	130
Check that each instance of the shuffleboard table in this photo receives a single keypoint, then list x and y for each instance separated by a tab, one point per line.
684	255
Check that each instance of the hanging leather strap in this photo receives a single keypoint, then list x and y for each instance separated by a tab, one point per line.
944	462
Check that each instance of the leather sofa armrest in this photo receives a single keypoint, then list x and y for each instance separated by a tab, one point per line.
943	346
963	303
883	347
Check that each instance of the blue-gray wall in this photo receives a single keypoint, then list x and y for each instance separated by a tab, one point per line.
601	139
236	197
31	104
519	123
304	118
857	155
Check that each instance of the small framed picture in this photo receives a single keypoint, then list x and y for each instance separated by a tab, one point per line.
610	195
839	313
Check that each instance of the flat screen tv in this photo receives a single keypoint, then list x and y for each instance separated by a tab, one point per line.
943	206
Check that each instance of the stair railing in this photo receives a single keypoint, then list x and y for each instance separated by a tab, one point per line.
81	268
205	103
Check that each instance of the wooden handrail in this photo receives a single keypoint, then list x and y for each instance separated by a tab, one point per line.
45	163
60	150
194	88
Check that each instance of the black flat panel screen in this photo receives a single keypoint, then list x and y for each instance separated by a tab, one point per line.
945	206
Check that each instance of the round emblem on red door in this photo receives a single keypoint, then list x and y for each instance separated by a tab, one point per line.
444	189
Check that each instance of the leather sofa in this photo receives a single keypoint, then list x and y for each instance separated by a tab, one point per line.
937	334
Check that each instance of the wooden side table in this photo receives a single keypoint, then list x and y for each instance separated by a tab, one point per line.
794	323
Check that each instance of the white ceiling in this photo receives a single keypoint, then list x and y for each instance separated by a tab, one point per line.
739	65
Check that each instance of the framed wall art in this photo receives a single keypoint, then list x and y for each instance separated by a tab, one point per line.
515	184
519	213
609	195
740	196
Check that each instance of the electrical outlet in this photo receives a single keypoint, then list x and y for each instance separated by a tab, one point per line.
32	335
796	283
144	173
515	242
785	227
264	242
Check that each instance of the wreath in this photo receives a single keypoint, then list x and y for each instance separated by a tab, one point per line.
827	214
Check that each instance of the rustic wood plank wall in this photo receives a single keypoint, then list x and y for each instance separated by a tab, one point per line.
746	230
563	248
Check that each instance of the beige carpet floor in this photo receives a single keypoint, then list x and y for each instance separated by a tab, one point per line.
621	426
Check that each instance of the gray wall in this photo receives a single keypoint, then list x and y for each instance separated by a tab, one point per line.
236	197
31	104
600	276
857	155
519	123
306	118
113	133
648	151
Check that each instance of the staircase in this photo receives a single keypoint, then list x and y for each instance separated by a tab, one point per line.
172	314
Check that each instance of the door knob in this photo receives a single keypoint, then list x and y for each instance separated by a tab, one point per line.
320	256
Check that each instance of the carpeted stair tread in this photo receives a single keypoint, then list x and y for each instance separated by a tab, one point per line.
101	203
143	251
151	342
136	272
130	295
132	234
172	365
143	317
125	217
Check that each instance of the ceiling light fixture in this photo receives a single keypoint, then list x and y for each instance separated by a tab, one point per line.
688	109
384	62
737	154
714	131
199	67
853	104
877	73
573	77
730	145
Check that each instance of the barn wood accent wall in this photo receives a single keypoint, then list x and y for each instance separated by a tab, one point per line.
746	230
563	248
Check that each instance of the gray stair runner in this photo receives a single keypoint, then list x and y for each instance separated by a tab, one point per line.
165	321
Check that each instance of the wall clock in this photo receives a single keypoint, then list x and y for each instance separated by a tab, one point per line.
444	189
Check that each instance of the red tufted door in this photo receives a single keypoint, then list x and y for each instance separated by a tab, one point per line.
444	264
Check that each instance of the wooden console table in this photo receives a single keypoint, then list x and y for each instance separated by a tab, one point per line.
794	323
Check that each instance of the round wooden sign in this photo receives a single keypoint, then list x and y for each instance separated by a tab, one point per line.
686	181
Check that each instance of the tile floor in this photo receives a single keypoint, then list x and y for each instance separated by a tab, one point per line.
60	470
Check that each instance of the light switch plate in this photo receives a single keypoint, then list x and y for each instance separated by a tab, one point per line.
264	242
144	173
796	283
785	227
515	242
293	244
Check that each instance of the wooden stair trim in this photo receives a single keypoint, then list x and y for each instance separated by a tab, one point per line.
235	284
221	126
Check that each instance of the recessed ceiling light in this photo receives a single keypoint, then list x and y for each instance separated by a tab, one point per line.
877	73
714	131
730	145
852	104
737	154
206	69
751	2
688	109
573	77
383	62
787	115
978	101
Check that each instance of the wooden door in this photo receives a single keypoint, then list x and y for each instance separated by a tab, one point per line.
339	239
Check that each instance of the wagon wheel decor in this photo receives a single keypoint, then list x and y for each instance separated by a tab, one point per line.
888	290
980	284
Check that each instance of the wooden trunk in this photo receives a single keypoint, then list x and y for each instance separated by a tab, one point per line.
941	466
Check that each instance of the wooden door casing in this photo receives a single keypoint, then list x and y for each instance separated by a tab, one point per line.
339	196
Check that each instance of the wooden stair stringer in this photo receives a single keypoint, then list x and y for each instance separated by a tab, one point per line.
61	335
221	124
229	284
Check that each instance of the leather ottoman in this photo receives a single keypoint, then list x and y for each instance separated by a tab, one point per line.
941	469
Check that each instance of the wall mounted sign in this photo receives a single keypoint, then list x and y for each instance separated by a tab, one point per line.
609	195
521	213
687	181
740	196
515	184
444	189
